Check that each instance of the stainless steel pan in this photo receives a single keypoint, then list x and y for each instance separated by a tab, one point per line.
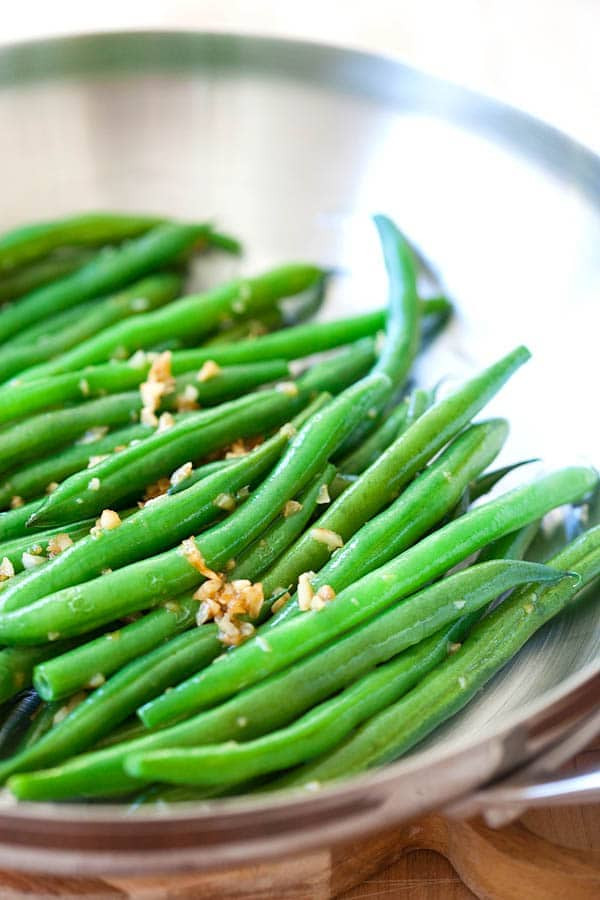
293	146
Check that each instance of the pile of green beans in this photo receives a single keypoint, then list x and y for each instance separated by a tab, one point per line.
297	523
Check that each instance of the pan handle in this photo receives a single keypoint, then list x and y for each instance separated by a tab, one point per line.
537	783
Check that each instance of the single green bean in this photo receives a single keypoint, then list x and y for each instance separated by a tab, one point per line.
289	641
31	242
13	522
446	690
190	318
17	665
110	270
378	485
35	478
156	526
39	331
322	728
144	295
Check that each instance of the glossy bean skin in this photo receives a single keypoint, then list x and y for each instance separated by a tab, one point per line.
323	727
154	527
378	484
13	522
143	584
26	243
421	506
271	651
106	272
446	690
190	318
144	295
378	541
32	480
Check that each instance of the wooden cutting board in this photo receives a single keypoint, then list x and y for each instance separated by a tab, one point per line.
548	855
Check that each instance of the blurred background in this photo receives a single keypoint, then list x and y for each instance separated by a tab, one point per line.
540	55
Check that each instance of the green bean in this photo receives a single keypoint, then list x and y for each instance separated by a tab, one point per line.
191	439
380	483
190	318
252	712
31	242
41	722
289	641
484	483
17	664
403	325
380	539
39	331
110	270
143	584
110	704
511	546
446	690
156	526
144	295
422	504
35	478
13	522
36	543
403	415
280	534
64	675
50	430
21	281
322	728
92	663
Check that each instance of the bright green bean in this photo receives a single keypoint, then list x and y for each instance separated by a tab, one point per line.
322	728
36	542
21	281
289	641
446	690
17	664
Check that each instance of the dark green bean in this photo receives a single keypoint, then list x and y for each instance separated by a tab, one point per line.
144	295
36	543
108	271
190	318
35	478
20	281
156	526
17	664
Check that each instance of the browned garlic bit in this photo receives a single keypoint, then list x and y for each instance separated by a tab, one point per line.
323	496
93	434
224	601
308	599
94	484
209	370
281	601
51	487
16	502
158	384
58	543
165	420
331	539
188	399
242	446
108	520
225	501
181	473
291	507
157	489
30	559
94	460
7	570
289	388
